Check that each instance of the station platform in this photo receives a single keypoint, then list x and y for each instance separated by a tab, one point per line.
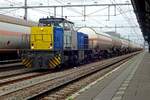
130	81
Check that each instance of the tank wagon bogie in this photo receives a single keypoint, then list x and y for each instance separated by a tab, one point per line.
55	43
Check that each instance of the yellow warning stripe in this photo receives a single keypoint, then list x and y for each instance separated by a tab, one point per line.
23	61
58	61
58	58
52	63
29	63
26	62
55	61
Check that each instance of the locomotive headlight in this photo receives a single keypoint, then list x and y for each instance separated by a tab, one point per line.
41	29
32	46
50	47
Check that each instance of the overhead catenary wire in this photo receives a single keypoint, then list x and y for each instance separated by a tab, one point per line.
76	14
125	17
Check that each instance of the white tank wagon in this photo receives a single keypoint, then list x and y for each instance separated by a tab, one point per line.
101	40
134	46
17	21
117	43
97	40
138	47
106	44
125	43
14	35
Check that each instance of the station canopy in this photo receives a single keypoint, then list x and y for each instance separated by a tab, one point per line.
142	10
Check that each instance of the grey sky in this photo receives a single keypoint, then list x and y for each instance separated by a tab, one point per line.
95	16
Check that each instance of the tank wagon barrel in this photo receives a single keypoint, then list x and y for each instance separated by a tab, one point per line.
101	42
17	21
97	40
14	35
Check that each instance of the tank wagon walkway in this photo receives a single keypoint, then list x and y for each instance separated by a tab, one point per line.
131	81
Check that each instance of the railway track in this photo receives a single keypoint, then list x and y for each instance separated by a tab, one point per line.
11	73
11	66
66	91
19	77
35	86
10	61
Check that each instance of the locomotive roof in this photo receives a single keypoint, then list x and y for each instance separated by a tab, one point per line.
53	20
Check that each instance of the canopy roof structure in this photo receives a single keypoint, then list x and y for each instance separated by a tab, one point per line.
142	10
